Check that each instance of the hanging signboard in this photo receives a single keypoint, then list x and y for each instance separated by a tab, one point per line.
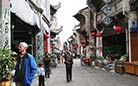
99	46
107	20
39	47
133	25
107	1
106	9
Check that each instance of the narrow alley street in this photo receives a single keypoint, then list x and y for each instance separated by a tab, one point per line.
88	76
36	33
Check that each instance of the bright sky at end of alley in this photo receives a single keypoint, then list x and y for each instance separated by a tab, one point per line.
65	15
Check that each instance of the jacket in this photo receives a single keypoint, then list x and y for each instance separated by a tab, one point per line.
68	62
30	69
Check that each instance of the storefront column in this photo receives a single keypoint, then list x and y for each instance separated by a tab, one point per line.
5	30
127	41
133	36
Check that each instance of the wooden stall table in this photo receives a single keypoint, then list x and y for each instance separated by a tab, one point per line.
136	68
120	69
131	67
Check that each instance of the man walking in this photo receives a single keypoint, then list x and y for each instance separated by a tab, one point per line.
26	67
47	61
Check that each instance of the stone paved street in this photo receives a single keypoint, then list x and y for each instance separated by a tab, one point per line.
88	76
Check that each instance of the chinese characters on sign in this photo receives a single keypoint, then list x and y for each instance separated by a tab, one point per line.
107	20
5	24
107	1
106	10
39	46
99	46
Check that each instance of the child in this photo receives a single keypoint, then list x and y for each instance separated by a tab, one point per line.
41	74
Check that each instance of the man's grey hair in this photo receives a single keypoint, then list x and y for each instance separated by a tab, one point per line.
24	44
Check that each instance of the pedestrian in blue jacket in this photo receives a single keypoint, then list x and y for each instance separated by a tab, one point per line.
26	67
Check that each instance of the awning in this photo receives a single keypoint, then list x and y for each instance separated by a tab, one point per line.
22	9
27	13
78	16
53	10
56	31
44	26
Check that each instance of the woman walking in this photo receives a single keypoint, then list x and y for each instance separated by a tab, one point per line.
68	64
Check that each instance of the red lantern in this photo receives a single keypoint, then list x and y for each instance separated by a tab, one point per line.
99	34
117	29
93	33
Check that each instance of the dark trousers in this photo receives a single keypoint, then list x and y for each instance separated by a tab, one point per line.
41	80
47	72
68	74
21	84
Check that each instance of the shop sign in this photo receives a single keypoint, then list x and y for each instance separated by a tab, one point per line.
133	25
107	1
99	46
39	46
107	20
106	9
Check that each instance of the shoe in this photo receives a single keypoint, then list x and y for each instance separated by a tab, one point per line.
67	80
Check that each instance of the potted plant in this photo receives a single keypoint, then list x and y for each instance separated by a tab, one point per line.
99	61
6	64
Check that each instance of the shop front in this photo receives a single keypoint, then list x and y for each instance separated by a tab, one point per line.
114	45
28	23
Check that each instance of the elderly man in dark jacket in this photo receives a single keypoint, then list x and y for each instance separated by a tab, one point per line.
26	67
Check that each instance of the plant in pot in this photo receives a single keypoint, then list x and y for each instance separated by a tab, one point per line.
6	64
99	60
